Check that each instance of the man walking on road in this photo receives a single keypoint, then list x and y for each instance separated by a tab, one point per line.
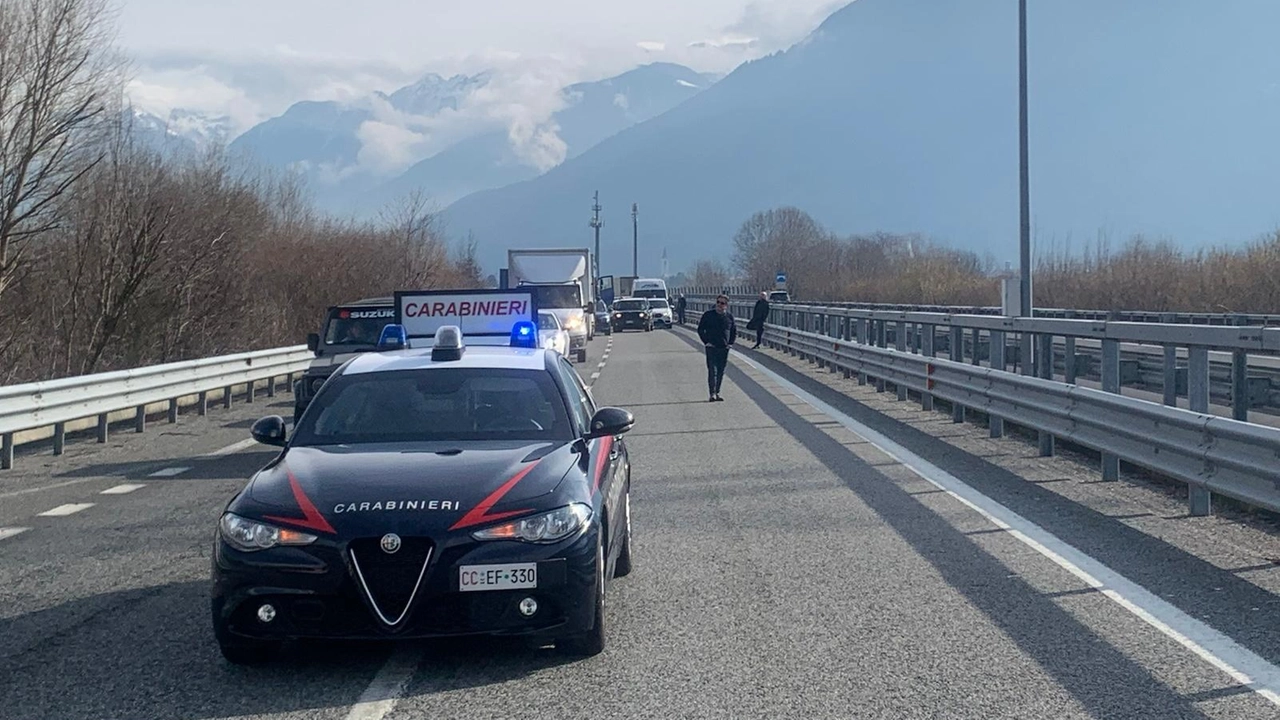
718	332
759	316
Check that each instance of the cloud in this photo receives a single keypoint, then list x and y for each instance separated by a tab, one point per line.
651	45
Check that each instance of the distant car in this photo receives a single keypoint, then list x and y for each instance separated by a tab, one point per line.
632	313
603	325
551	334
779	296
662	313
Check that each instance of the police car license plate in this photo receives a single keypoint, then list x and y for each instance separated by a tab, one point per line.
498	577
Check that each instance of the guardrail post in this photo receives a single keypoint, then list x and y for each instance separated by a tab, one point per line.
1171	375
1111	384
250	387
957	355
271	386
1240	385
104	427
173	410
1069	360
901	344
926	397
1044	359
140	419
226	397
288	383
202	404
997	362
59	438
1199	499
6	451
977	336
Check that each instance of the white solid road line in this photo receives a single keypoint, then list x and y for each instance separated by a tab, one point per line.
68	509
233	447
169	472
122	489
388	685
8	532
1215	648
42	488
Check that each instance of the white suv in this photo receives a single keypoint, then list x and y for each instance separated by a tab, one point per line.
661	311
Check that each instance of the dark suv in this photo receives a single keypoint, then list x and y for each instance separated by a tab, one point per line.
348	329
632	313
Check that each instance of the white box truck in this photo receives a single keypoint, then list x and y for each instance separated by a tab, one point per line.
562	281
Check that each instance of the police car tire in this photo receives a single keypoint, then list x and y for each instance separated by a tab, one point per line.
592	641
622	567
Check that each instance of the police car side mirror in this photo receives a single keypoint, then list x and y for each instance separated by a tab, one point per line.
610	421
313	341
269	430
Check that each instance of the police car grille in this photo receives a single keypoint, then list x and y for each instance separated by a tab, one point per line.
390	578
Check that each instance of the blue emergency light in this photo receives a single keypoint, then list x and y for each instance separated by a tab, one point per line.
524	334
393	338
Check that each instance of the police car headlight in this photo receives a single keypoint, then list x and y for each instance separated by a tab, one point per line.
547	527
250	535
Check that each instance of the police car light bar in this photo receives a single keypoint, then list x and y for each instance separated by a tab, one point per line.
448	345
524	334
392	338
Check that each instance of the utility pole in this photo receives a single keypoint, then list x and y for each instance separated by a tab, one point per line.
596	223
635	240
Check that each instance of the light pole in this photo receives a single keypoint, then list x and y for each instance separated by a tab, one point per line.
596	224
635	240
1025	190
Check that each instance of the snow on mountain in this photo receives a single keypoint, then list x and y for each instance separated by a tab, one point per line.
434	93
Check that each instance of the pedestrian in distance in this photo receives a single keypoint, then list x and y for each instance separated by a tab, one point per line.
680	306
759	316
718	332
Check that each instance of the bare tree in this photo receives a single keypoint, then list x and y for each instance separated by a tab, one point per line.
709	273
58	77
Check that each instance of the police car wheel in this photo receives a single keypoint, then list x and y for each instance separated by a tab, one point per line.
622	567
591	642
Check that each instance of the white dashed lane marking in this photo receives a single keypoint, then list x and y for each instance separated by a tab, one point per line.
170	472
122	489
595	376
233	447
387	687
68	509
8	532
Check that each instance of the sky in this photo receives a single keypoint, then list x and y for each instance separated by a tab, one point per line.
251	59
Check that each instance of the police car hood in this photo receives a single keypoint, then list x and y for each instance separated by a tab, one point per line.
420	488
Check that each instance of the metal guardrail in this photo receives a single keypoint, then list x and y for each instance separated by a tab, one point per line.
61	402
1244	368
1212	454
742	293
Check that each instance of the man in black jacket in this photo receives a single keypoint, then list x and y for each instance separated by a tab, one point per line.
759	316
680	306
718	332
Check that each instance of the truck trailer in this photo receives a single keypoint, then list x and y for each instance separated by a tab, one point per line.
562	281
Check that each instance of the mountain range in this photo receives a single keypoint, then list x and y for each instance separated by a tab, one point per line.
902	116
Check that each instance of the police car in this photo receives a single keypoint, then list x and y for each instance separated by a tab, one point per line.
469	487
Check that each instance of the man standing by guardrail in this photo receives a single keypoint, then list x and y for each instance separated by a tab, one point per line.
718	332
758	317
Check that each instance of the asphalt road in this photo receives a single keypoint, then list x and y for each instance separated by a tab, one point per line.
786	566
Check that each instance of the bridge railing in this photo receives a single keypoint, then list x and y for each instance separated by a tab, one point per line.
1230	456
67	404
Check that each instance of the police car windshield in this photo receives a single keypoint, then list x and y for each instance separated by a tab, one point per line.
630	305
438	404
